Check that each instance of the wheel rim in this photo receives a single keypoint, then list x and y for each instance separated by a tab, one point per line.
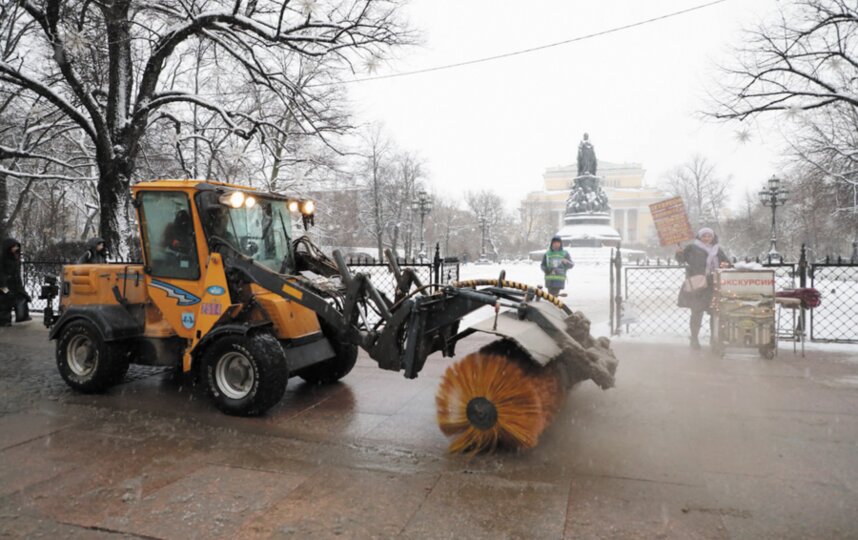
82	356
234	375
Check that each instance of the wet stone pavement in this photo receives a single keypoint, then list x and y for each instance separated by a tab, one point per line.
686	446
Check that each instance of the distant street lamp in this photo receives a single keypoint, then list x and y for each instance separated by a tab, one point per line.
774	196
422	204
484	222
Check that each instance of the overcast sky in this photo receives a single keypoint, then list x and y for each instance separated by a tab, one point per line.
499	124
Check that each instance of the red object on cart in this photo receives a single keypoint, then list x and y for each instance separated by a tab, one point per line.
810	297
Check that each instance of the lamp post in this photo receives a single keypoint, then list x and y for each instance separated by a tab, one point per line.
422	204
483	221
774	196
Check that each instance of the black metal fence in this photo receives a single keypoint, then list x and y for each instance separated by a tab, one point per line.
836	318
440	271
436	270
33	275
644	296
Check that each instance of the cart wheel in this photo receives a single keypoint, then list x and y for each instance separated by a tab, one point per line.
767	351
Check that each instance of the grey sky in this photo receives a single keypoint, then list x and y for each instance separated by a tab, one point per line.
499	124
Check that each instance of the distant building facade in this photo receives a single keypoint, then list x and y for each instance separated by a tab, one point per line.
628	198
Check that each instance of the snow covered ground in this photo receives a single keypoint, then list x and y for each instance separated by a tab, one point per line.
587	287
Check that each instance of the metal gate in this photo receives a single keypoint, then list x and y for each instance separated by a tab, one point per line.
644	293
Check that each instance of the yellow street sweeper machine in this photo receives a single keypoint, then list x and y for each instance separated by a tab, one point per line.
225	292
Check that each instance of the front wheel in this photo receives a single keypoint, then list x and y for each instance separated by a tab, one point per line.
86	362
246	375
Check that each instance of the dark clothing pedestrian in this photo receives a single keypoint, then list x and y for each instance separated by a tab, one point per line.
13	295
94	255
701	261
555	263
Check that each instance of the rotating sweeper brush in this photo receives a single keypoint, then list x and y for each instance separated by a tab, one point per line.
507	393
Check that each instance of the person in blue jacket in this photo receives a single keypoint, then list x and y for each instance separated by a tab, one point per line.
555	263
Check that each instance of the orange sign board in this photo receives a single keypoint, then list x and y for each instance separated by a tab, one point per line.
671	221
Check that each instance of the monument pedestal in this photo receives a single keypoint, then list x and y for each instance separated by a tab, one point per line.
587	222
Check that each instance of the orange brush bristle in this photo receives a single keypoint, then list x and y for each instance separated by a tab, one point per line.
489	399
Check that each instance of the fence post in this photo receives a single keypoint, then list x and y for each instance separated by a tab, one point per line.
611	294
802	283
619	297
802	267
436	263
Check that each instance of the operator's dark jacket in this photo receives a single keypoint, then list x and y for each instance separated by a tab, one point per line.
10	268
92	255
695	265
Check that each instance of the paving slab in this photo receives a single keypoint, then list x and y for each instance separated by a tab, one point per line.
344	503
687	445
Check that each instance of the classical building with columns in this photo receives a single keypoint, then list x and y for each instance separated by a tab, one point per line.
628	198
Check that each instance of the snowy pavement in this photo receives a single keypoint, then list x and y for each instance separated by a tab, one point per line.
686	446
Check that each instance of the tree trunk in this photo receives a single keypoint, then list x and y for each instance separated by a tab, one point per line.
4	207
114	196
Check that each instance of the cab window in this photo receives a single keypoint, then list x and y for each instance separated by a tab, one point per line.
168	235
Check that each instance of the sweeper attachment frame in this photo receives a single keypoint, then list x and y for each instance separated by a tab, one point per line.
224	292
507	393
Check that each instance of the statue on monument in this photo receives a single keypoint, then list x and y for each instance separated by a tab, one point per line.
586	195
586	157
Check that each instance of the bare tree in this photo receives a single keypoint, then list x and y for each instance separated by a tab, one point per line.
451	227
703	190
746	231
403	184
488	212
35	148
376	174
805	64
805	60
115	68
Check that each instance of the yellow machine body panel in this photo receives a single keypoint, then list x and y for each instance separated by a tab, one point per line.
91	284
187	286
290	320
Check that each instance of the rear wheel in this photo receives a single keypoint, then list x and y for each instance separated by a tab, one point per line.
334	369
246	375
86	362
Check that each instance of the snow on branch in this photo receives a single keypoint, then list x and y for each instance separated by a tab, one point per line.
804	61
44	176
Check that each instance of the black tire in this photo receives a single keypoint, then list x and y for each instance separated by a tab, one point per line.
86	362
331	371
245	375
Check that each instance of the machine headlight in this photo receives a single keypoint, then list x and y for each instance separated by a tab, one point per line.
308	208
294	206
234	199
250	201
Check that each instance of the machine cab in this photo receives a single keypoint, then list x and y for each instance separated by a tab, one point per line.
185	225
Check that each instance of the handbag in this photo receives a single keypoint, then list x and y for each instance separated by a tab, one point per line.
695	283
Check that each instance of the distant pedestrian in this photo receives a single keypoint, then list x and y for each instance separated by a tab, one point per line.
702	258
13	295
555	263
96	252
